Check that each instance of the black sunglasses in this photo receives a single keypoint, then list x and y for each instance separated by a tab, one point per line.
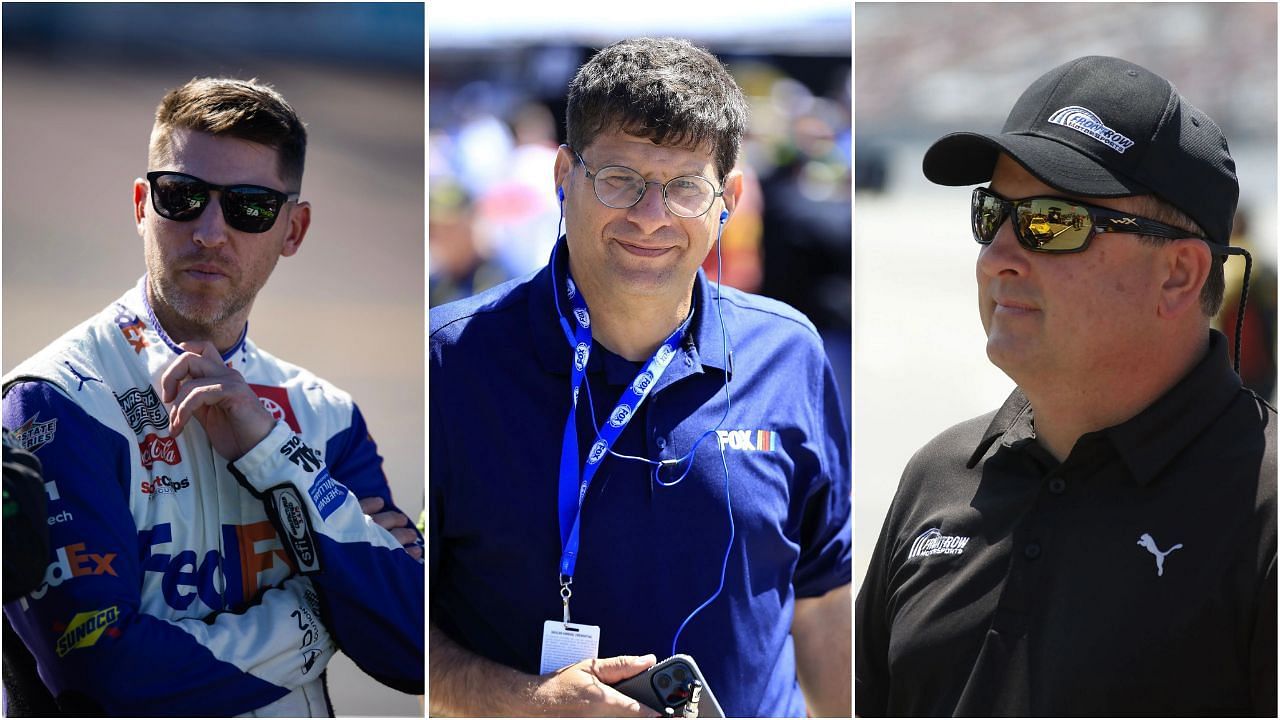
247	208
1058	225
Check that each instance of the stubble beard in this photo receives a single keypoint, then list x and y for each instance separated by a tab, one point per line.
198	316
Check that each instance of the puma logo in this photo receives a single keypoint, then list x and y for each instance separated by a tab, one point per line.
1149	543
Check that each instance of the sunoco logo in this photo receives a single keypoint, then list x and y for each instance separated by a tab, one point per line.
597	452
580	356
933	542
584	318
85	629
1084	120
620	416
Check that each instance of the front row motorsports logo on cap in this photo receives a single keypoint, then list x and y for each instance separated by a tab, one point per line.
1085	121
933	542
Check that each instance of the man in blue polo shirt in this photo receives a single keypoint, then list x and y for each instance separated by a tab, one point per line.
623	449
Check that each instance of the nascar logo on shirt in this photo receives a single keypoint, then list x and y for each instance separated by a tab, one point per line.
163	449
142	408
33	434
132	327
753	440
85	629
71	561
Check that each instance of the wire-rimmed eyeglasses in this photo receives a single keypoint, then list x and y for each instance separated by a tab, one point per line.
620	187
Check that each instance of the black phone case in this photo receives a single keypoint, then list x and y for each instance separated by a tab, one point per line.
643	687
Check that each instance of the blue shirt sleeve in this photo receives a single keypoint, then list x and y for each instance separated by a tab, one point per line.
826	530
84	624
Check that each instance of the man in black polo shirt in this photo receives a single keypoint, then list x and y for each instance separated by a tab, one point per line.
1105	542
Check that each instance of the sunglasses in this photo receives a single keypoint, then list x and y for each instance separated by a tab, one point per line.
247	208
1058	225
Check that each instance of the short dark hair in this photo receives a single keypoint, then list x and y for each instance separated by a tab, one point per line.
1153	207
667	90
242	109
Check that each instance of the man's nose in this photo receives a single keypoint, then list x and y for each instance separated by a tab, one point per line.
211	227
651	212
1003	254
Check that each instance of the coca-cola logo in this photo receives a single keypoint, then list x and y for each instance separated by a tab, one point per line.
163	449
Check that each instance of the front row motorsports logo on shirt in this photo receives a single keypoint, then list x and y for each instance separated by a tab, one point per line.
933	542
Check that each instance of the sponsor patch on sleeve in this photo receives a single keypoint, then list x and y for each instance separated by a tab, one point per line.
85	629
295	527
327	493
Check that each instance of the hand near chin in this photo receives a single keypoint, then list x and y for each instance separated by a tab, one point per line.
199	385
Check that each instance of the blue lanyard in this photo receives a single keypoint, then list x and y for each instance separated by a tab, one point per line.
574	481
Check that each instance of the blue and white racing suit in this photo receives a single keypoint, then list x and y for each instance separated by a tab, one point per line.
181	584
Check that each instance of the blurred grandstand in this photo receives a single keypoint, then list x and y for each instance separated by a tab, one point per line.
923	70
497	107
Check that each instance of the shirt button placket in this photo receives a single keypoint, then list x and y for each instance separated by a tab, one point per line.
1031	551
1057	486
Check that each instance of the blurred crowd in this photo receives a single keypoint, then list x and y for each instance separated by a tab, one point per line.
497	118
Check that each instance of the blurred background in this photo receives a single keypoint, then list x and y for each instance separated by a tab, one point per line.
497	105
81	84
923	70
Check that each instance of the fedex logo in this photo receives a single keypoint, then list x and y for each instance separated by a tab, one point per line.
132	327
219	581
71	561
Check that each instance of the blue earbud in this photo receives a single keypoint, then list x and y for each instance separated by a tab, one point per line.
724	216
560	194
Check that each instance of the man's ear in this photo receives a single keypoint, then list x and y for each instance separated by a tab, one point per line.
299	221
139	203
1186	264
563	167
733	184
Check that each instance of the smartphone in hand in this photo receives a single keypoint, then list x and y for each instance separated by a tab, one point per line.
668	684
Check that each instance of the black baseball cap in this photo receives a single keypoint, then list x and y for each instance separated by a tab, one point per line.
1103	127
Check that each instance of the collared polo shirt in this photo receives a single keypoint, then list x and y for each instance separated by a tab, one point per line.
1136	577
649	555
